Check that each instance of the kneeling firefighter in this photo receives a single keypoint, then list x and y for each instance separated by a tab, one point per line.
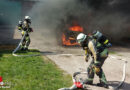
25	29
99	52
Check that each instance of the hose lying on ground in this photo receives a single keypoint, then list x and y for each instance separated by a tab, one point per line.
18	47
110	87
123	76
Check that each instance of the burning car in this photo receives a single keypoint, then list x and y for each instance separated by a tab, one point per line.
70	31
69	37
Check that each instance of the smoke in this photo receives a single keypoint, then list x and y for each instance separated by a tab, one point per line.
47	16
108	16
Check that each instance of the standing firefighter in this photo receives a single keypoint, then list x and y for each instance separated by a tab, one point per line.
25	29
97	49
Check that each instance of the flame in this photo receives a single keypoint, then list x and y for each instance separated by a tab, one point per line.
68	42
76	28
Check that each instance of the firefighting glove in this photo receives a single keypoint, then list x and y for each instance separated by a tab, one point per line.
30	30
86	58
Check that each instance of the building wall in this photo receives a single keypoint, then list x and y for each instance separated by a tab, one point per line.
11	11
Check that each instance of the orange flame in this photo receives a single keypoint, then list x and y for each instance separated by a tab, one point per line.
76	28
68	42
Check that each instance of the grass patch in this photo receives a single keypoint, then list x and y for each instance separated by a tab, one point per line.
31	73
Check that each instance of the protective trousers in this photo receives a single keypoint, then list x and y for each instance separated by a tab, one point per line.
95	67
26	42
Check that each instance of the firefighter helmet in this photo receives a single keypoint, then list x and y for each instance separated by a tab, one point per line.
27	18
81	38
20	22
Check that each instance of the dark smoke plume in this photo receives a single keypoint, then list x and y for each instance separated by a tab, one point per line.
112	17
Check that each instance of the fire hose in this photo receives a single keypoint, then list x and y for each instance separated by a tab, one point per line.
18	47
123	76
74	80
110	87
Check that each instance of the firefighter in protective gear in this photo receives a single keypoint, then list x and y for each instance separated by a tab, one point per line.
98	53
24	28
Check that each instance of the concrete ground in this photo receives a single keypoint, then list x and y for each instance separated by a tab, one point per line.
113	68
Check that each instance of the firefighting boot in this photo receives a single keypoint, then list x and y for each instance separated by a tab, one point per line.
26	49
102	84
88	81
21	48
